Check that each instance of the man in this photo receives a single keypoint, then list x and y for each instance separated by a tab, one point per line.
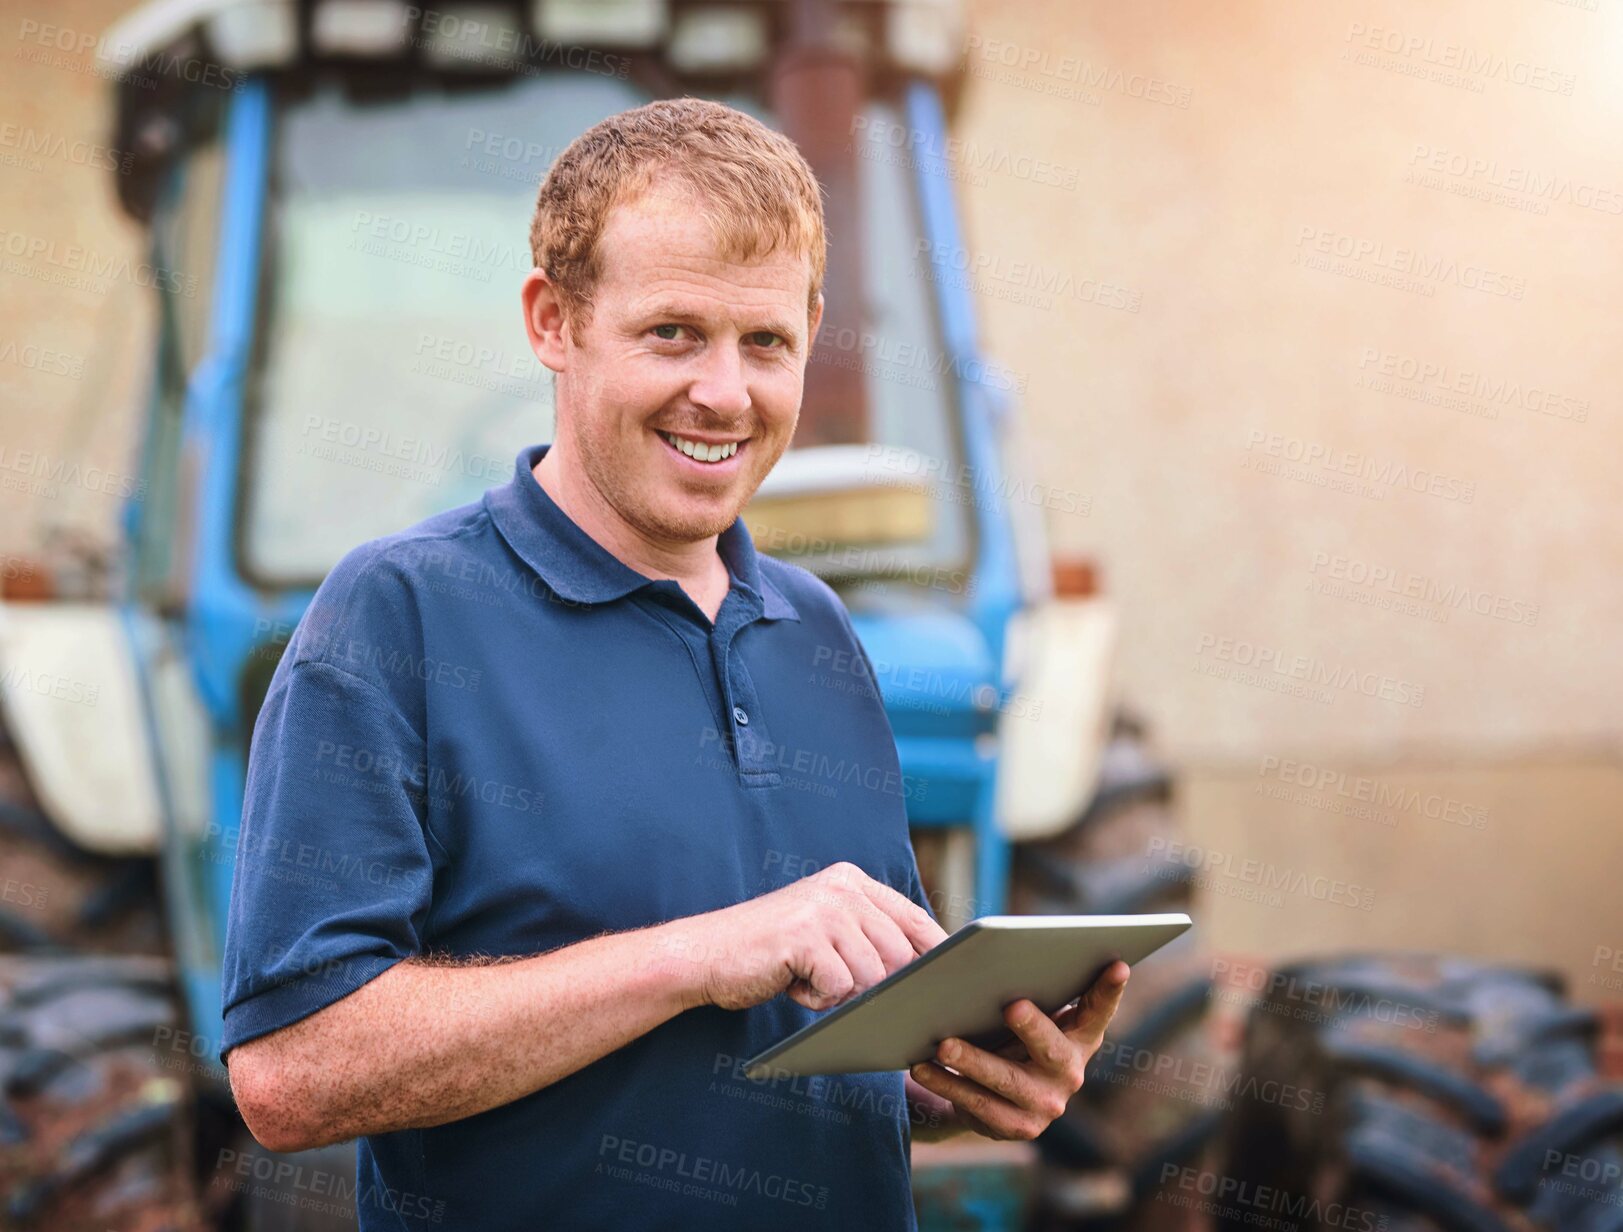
540	841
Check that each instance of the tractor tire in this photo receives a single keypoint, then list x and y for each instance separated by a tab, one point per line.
1456	1097
98	1125
57	898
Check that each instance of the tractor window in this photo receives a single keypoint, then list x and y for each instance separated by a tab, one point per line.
392	376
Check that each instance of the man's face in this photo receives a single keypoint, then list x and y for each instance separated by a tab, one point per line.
684	344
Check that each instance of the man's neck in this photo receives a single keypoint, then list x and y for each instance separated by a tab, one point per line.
697	567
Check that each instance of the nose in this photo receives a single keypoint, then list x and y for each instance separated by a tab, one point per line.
720	384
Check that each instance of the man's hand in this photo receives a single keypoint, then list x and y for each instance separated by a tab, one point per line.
824	939
1019	1090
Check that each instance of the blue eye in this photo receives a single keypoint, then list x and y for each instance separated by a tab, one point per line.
676	332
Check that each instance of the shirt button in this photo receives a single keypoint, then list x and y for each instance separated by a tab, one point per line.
743	718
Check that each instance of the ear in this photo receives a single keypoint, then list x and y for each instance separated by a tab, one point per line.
544	320
816	320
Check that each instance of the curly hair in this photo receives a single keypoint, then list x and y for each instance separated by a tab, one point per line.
750	183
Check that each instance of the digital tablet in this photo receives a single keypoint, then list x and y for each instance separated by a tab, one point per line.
961	988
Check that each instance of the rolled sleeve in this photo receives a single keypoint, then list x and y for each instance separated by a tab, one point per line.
334	871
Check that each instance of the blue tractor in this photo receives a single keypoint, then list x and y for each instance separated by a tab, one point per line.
335	198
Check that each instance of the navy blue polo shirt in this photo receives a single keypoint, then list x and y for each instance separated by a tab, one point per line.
488	736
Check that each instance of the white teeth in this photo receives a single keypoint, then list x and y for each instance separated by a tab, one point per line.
699	451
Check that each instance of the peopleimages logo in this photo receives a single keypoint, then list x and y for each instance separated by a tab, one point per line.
1265	876
1488	180
1309	670
316	1188
1040	62
700	1176
1315	457
1491	391
1047	283
899	466
1199	1082
42	359
29	142
1409	263
1261	1206
435	784
971	156
1319	1000
16	680
131	60
95	268
1402	583
1470	61
1324	781
814	766
483	41
824	1097
906	361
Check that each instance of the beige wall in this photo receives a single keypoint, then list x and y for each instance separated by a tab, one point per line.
1199	210
1280	121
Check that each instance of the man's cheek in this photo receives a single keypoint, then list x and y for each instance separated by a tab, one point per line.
635	394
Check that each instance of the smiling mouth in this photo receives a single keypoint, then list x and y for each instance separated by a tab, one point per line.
698	450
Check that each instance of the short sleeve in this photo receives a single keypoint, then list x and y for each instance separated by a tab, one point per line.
333	870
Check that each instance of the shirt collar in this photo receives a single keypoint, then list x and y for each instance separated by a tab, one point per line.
581	570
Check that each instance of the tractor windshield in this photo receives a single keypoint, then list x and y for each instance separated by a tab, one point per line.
392	377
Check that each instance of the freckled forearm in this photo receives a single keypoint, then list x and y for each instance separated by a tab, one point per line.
425	1044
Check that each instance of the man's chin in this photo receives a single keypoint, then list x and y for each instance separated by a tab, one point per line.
688	523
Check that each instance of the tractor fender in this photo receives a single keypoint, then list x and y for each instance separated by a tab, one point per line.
1056	721
70	699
